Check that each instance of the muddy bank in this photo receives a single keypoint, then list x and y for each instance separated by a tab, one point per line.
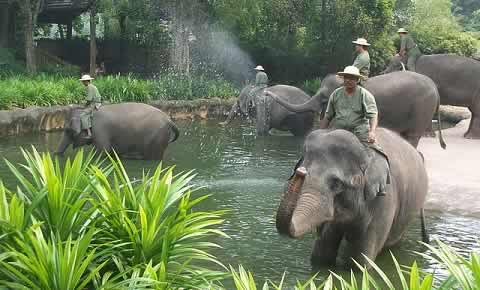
35	119
453	173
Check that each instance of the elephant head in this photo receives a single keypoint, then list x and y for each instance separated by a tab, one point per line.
72	134
246	102
396	64
338	184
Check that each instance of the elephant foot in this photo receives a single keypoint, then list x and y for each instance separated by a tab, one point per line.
319	261
472	135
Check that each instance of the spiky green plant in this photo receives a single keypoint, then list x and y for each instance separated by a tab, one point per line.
58	196
153	220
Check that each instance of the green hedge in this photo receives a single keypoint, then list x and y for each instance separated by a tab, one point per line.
46	90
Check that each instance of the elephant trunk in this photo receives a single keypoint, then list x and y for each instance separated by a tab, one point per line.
263	115
289	201
312	210
64	143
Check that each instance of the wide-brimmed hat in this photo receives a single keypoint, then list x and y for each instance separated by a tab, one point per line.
351	71
402	30
259	67
361	41
86	78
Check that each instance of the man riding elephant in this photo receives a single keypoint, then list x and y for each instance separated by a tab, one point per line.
408	48
247	99
362	61
354	109
93	102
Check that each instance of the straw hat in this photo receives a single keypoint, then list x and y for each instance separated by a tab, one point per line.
86	78
402	30
259	67
351	71
361	41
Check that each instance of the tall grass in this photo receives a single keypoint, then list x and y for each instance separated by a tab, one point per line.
47	90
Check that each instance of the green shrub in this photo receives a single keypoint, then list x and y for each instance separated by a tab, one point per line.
47	90
86	224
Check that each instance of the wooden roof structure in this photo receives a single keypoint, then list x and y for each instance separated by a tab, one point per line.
58	11
62	11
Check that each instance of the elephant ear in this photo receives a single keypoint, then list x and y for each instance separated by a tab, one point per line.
375	173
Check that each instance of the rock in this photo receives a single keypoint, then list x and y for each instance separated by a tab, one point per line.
454	114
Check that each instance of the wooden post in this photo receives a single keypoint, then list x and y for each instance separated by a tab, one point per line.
69	29
93	45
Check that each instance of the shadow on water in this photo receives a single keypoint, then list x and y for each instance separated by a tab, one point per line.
246	174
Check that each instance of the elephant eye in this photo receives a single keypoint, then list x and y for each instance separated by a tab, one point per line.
335	184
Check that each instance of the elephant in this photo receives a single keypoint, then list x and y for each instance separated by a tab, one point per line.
336	195
457	80
269	114
406	102
133	130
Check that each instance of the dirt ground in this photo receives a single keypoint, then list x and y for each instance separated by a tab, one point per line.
454	173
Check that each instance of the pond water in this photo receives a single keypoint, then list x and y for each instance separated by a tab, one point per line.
246	175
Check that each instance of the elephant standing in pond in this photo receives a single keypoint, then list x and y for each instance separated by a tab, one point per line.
133	130
457	79
337	195
269	114
406	102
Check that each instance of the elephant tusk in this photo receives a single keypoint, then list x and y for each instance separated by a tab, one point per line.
403	66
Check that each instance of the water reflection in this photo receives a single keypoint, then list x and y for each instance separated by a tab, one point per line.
246	174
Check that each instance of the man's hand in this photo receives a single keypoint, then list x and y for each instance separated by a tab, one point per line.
371	137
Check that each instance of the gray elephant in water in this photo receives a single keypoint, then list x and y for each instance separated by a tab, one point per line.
133	130
269	114
406	102
336	195
457	79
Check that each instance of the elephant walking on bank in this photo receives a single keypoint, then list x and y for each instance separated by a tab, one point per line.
406	102
457	79
336	195
269	114
133	130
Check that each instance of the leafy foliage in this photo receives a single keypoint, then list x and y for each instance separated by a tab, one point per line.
442	35
86	223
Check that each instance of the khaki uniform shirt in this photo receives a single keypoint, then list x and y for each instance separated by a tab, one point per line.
362	62
352	113
261	79
408	44
93	96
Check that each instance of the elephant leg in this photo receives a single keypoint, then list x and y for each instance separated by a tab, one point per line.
326	245
64	143
473	131
297	124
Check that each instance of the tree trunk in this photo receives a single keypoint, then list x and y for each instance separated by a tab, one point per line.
60	30
30	19
93	45
4	25
69	29
180	52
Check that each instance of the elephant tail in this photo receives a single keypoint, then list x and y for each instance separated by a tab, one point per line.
440	135
175	131
425	236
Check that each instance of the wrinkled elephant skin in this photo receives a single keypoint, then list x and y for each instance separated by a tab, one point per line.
457	80
336	199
